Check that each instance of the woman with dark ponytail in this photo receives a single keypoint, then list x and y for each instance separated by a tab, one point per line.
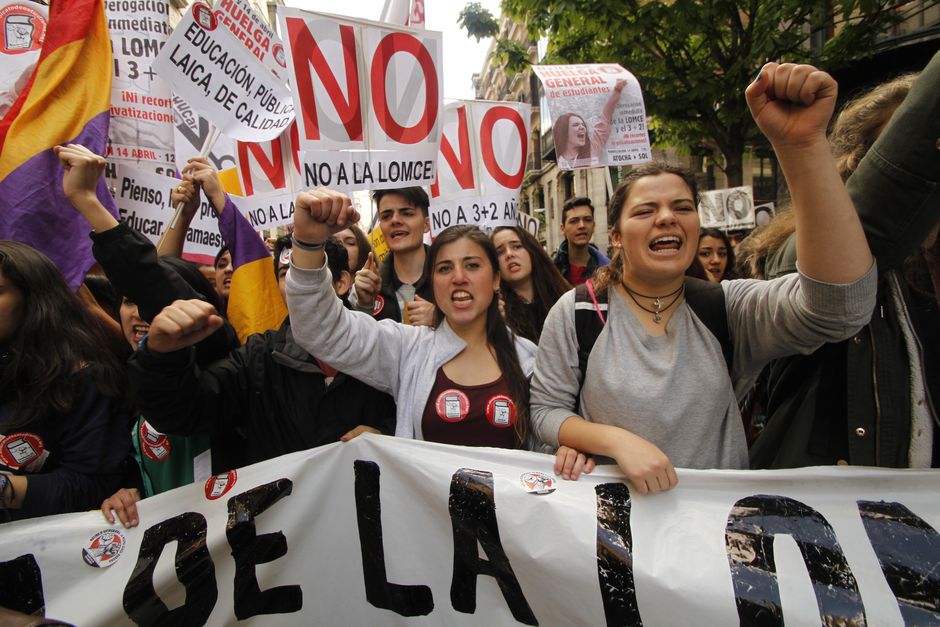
64	442
462	381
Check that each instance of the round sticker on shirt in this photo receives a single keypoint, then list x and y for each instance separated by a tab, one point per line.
217	486
153	444
501	411
452	405
23	451
378	305
104	548
284	259
537	482
202	15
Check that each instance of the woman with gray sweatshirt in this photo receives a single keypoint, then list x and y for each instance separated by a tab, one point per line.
658	391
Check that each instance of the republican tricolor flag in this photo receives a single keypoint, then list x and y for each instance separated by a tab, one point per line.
255	304
67	100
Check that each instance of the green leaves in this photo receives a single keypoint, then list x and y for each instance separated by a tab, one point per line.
478	21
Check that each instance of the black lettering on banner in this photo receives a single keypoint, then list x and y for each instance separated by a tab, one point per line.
615	555
194	569
405	600
908	550
250	549
473	517
22	585
749	539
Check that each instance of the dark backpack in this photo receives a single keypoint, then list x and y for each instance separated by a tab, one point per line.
706	299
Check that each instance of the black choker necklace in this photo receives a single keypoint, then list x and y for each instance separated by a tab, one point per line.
657	300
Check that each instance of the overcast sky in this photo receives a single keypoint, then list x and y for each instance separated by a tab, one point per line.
462	55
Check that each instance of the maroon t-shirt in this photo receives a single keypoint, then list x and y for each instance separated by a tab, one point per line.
470	415
577	274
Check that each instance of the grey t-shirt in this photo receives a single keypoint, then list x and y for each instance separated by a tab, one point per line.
674	390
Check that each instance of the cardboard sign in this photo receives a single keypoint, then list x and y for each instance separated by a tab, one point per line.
369	97
481	164
727	209
141	131
223	80
477	536
598	116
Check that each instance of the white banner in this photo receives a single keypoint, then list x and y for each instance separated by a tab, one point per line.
369	97
598	116
727	209
141	130
223	80
481	163
143	202
384	531
22	31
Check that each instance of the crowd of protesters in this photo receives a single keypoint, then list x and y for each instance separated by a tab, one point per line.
666	355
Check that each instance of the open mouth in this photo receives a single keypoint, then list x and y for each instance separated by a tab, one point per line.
513	267
397	235
667	244
139	331
461	298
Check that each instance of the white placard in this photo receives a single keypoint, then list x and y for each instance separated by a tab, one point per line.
727	209
369	97
141	130
480	166
593	123
222	80
143	202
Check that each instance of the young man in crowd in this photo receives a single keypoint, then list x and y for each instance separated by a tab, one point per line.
577	258
399	289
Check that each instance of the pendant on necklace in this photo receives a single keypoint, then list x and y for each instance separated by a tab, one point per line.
657	304
657	318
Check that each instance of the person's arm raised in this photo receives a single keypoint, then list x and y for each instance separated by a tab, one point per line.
83	170
791	105
318	213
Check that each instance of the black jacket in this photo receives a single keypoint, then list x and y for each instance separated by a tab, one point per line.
269	390
388	307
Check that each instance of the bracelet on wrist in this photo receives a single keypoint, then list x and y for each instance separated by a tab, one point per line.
305	245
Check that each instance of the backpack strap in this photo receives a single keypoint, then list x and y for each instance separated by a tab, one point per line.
707	301
590	315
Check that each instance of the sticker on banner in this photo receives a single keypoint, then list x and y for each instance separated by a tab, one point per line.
23	451
104	548
537	482
452	405
501	411
155	445
217	486
204	17
378	305
24	29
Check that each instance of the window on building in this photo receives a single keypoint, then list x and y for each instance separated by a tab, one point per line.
765	181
